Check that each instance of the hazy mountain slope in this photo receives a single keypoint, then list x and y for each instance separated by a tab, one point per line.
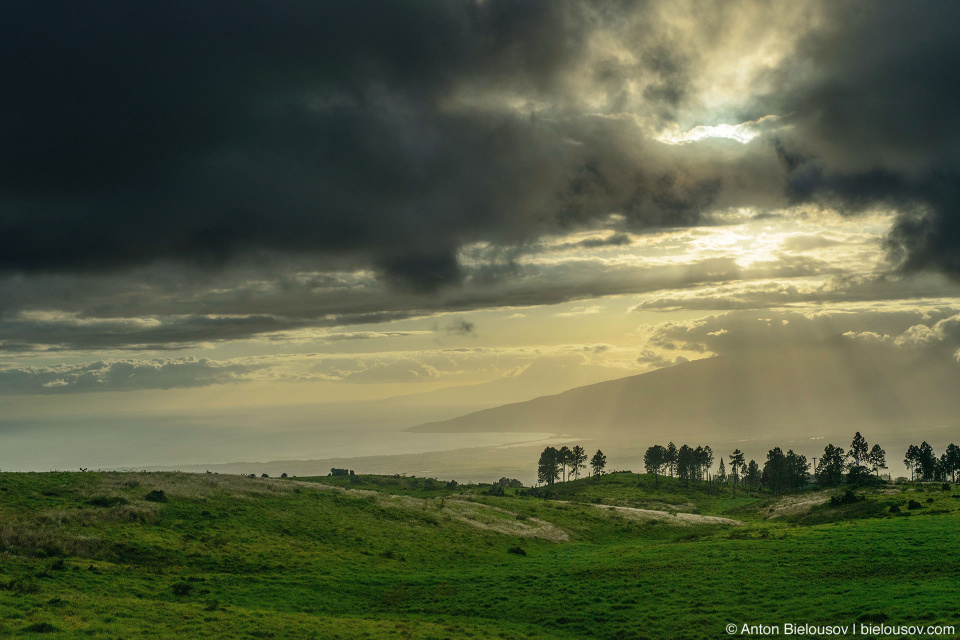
824	388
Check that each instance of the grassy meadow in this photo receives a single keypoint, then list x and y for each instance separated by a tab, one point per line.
88	555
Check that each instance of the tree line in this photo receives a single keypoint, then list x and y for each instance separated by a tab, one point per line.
860	464
924	464
687	463
554	463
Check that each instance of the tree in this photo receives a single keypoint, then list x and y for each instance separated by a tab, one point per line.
953	460
798	468
921	461
548	468
687	464
877	459
721	472
654	461
704	457
753	475
784	471
859	452
578	460
598	462
911	458
737	465
830	469
564	457
672	457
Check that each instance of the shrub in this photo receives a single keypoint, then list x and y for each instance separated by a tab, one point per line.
929	499
41	627
945	486
182	589
283	475
894	509
517	551
913	504
849	497
157	495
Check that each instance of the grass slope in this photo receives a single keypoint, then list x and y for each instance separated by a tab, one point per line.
85	555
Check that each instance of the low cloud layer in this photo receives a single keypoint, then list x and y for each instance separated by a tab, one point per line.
120	375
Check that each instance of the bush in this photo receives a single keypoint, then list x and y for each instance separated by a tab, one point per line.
283	475
264	475
945	486
894	509
182	589
517	550
157	495
849	497
913	504
41	627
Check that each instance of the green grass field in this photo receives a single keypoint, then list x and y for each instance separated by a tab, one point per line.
85	555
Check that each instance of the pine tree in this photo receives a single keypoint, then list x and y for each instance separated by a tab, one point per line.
579	460
598	462
878	459
859	451
737	465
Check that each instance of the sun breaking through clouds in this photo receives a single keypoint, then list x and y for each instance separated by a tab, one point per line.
282	202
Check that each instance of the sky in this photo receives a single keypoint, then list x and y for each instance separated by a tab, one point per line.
221	208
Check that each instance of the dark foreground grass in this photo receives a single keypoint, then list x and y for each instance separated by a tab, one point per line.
86	556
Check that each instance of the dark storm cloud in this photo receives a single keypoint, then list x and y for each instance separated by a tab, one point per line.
871	97
203	131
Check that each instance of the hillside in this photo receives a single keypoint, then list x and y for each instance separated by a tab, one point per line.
835	388
106	555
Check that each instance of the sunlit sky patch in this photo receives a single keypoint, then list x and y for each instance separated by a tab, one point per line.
519	197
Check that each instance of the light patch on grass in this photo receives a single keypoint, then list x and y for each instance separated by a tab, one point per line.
794	505
502	521
680	519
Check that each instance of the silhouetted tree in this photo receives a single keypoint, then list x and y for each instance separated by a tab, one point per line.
548	468
911	459
830	468
877	459
721	472
654	460
784	471
564	457
672	458
859	451
686	464
953	460
753	475
598	462
737	465
579	460
704	457
926	461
